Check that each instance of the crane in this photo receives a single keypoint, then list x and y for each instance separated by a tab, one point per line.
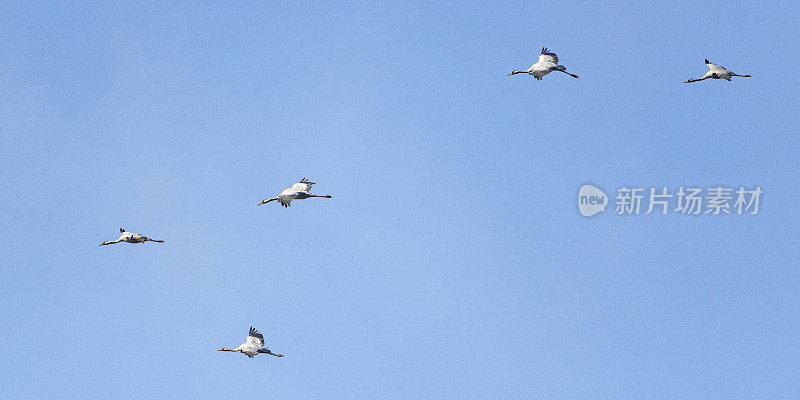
716	72
300	190
253	346
131	237
548	62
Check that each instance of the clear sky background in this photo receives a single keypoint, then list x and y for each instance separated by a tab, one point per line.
452	262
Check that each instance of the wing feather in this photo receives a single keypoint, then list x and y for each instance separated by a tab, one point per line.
254	338
714	67
302	186
286	200
548	57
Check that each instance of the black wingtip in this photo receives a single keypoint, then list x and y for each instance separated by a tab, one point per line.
707	62
121	230
544	50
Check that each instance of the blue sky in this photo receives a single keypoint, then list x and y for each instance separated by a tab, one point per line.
452	261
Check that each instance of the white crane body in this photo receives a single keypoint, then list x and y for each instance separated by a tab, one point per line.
253	346
130	237
548	62
300	190
716	72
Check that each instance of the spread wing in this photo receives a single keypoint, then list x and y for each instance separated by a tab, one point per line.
303	186
254	338
547	57
286	200
714	67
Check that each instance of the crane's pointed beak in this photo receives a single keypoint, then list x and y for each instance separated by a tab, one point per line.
278	355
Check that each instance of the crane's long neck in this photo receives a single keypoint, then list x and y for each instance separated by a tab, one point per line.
265	201
697	80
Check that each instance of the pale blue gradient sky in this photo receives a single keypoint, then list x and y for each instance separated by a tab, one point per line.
452	262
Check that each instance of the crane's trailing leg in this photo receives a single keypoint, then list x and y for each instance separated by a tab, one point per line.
562	69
